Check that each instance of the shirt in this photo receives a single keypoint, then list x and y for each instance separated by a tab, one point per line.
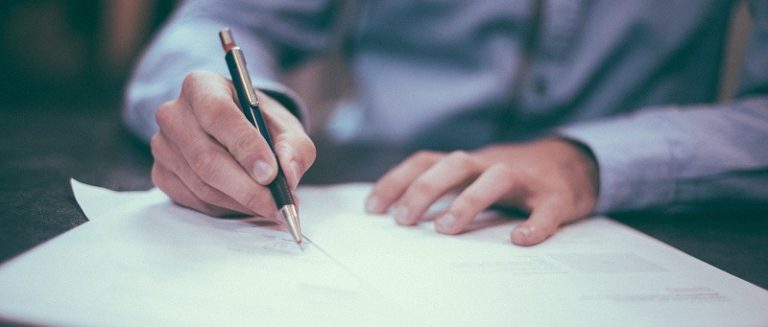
635	81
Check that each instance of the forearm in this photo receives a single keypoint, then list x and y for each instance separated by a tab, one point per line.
672	156
189	42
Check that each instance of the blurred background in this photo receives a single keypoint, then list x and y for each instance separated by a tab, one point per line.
64	52
79	53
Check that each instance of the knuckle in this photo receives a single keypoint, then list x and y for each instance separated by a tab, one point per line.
459	155
191	80
423	157
500	179
466	202
204	165
422	187
164	114
199	87
460	159
215	103
211	108
188	84
245	144
501	170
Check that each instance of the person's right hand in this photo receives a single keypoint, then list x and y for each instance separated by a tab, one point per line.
208	157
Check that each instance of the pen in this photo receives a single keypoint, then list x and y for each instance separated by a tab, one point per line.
249	104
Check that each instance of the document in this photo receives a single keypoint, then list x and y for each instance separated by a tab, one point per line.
141	260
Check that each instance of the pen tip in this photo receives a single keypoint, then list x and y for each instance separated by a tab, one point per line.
291	217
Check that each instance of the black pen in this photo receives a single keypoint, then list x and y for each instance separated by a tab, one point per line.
249	103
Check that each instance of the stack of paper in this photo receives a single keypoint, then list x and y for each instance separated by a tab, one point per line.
142	260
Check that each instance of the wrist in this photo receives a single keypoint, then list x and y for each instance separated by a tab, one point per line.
585	162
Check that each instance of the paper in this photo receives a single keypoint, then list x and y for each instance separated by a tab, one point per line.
141	260
596	272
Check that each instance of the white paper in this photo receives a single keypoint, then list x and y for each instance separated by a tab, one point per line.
596	272
141	260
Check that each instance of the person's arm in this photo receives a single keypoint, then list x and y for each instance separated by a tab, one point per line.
207	156
274	34
675	157
662	156
659	158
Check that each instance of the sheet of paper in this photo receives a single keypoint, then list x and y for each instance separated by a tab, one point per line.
142	260
594	272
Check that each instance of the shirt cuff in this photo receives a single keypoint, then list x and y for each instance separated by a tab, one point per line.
634	162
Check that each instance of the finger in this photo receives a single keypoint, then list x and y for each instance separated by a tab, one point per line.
294	148
169	157
296	153
492	185
212	163
211	98
169	183
444	176
542	223
391	186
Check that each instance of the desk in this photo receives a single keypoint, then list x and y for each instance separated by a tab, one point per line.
42	147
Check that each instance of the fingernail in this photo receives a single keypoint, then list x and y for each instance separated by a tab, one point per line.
372	204
525	231
262	171
401	215
445	223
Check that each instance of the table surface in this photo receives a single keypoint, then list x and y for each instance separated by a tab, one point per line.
43	148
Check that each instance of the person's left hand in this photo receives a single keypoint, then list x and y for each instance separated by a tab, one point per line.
553	179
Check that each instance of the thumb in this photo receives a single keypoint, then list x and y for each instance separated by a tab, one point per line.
253	152
541	224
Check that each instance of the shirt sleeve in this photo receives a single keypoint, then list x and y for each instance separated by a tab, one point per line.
275	35
680	156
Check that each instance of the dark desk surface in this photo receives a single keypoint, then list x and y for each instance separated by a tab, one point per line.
42	148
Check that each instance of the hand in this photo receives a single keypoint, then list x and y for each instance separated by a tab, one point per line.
553	179
208	157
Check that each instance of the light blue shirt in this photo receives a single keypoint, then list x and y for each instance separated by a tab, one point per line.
633	80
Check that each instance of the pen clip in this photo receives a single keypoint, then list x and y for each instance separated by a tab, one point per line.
240	66
244	77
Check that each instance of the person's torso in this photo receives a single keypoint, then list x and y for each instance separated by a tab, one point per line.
460	74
